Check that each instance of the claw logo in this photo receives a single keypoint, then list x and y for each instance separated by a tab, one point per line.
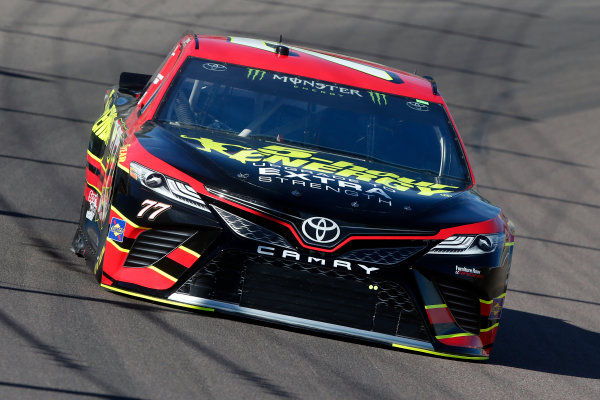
103	126
378	98
255	73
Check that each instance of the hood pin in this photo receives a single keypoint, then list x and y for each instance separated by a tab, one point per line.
296	193
354	204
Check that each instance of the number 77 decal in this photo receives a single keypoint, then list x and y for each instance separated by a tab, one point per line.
154	205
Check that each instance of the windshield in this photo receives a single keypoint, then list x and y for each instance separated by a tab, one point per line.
405	132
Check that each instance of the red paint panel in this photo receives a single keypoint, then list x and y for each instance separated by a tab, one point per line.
143	277
130	231
440	315
113	259
182	257
95	163
93	179
313	67
489	336
464	341
485	309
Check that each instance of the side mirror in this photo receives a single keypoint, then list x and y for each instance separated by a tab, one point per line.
132	83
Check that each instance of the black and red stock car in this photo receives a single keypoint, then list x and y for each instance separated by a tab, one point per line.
295	186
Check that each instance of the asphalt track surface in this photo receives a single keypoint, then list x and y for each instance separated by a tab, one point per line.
522	81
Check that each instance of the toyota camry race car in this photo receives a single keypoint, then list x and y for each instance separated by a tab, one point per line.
299	187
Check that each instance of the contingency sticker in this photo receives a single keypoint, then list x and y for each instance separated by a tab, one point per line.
116	231
93	200
496	311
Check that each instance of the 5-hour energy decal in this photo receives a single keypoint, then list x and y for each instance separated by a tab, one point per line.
321	181
313	163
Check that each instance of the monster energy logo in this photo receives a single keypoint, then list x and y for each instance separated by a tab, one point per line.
255	73
378	98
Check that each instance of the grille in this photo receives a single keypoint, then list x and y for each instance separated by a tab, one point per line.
154	244
463	305
311	291
388	292
250	230
382	256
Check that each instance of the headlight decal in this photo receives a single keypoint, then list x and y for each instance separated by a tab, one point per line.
464	245
167	186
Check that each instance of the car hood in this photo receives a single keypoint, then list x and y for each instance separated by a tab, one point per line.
289	181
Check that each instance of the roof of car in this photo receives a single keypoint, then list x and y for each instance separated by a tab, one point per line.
315	64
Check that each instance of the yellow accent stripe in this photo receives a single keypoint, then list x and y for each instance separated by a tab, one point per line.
437	353
192	252
93	187
508	244
436	306
117	246
97	159
454	335
99	260
143	296
123	167
126	219
163	273
491	301
490	328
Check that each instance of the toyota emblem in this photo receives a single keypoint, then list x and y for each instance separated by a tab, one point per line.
320	230
417	106
214	67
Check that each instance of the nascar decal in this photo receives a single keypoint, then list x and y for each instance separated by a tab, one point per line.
311	163
116	231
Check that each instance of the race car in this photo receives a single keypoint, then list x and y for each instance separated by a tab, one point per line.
299	187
